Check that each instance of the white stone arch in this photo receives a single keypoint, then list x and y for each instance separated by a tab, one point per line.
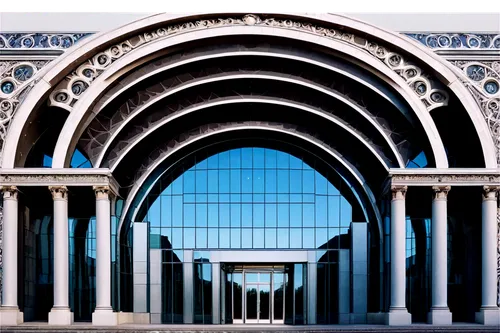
139	183
232	101
48	78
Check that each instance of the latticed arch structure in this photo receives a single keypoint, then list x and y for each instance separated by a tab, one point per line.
134	112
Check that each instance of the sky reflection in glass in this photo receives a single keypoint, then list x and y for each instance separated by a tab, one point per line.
249	198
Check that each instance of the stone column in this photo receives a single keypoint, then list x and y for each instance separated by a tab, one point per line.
103	314
489	313
440	313
60	314
9	312
398	314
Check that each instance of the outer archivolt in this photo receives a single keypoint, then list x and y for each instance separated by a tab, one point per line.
69	90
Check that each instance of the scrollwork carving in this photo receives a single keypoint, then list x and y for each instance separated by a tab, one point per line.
53	41
440	41
68	92
16	80
483	81
441	192
102	192
9	192
399	192
59	192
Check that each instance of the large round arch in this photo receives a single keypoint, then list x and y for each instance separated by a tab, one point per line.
152	102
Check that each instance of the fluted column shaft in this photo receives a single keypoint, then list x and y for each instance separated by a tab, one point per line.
440	247
61	252
398	243
489	248
10	229
103	249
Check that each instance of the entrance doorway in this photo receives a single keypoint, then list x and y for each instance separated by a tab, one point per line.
263	300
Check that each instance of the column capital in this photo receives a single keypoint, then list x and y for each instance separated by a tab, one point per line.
441	192
490	192
399	192
10	192
59	192
102	192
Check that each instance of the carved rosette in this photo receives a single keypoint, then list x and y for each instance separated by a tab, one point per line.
68	92
467	41
441	192
59	192
399	192
483	81
16	80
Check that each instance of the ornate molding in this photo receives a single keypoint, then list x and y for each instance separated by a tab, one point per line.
68	92
16	80
490	192
59	192
446	179
399	192
468	41
102	192
57	178
9	192
498	256
482	78
29	41
441	192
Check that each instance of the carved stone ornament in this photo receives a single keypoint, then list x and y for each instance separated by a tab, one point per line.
59	192
30	41
445	179
462	41
399	192
441	192
490	192
16	80
102	192
483	81
498	256
67	93
10	192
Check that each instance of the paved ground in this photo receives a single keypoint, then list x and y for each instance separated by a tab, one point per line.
129	328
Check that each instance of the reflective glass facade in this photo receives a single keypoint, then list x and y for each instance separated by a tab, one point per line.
248	199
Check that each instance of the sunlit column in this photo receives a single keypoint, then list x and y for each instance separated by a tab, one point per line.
440	313
103	314
398	314
60	314
489	313
9	312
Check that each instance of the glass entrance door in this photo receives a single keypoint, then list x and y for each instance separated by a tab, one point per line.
258	297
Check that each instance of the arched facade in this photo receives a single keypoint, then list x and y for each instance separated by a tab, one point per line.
250	168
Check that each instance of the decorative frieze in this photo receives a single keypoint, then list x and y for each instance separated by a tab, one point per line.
482	78
16	80
450	178
467	41
33	41
429	91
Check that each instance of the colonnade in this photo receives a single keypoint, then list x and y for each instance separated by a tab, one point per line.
440	314
60	313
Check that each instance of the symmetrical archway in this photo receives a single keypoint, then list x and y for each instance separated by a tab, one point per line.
137	100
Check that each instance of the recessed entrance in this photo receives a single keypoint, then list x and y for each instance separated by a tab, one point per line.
263	300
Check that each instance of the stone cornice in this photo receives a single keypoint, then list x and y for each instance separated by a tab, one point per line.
58	177
444	177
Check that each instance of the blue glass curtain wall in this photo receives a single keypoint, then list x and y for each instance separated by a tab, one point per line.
245	198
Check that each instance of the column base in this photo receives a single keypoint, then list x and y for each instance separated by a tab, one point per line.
488	316
439	316
398	317
10	316
60	316
104	317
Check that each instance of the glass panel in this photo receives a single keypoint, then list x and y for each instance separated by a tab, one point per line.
264	301
251	277
238	297
251	301
278	290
